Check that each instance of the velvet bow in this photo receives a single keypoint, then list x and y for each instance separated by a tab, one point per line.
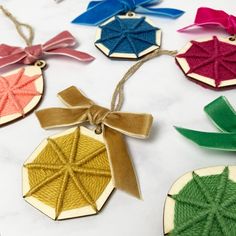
113	125
99	11
59	45
223	117
207	16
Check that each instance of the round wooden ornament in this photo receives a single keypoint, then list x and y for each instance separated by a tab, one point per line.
68	175
202	202
128	37
20	92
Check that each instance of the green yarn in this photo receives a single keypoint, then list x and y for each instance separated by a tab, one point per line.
206	206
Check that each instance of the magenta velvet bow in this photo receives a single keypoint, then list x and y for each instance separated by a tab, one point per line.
59	45
207	16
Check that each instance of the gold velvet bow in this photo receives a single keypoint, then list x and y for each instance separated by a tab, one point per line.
113	125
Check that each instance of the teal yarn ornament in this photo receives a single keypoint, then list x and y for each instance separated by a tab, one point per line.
128	37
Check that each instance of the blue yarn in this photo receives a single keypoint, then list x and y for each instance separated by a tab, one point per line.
128	35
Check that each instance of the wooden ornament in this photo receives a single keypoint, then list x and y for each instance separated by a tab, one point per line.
20	92
202	202
128	37
210	61
68	175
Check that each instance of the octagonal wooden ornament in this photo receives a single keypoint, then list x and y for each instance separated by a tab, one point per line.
202	202
211	62
68	175
128	37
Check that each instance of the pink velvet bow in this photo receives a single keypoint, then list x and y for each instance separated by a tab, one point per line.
207	16
59	45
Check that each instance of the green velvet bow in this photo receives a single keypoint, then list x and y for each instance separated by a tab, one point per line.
223	117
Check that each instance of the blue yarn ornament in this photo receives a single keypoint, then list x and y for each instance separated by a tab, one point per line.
128	37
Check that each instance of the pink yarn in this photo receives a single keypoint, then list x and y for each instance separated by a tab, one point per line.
213	59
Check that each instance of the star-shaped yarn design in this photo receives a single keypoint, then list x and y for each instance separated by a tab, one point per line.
128	35
16	91
213	59
206	206
65	169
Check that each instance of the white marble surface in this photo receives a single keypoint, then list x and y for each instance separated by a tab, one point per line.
166	93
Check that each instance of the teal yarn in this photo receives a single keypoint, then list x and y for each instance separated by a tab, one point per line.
206	206
127	35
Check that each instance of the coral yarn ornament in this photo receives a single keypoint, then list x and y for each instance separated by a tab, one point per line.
202	202
21	90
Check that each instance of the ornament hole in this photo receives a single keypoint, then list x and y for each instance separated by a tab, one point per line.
233	38
98	129
130	14
40	64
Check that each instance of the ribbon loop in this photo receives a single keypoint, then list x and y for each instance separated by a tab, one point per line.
223	117
56	46
115	124
100	11
210	17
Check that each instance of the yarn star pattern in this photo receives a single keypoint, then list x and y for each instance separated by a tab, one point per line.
16	91
213	59
206	206
128	35
71	172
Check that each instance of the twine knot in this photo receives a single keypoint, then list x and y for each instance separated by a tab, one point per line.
128	5
97	114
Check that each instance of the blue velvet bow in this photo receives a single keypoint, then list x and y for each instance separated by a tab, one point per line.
99	11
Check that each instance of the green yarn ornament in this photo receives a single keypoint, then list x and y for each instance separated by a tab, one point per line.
205	206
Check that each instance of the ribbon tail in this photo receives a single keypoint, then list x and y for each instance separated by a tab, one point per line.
99	13
200	25
165	12
134	125
121	166
81	56
218	141
222	114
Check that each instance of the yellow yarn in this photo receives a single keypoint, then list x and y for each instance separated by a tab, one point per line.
71	172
